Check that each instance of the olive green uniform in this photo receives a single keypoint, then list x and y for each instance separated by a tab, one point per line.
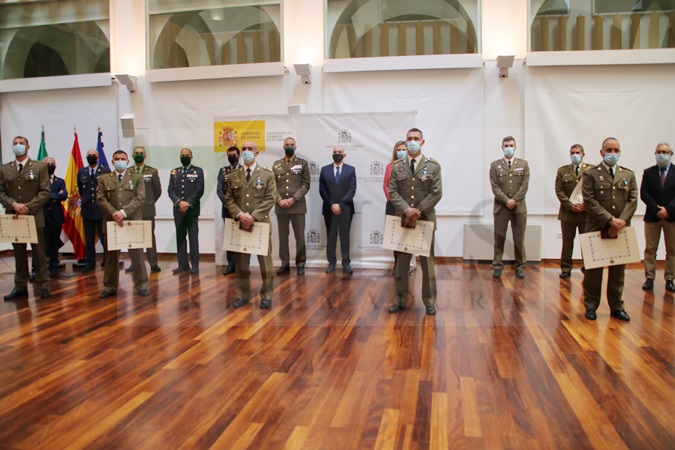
255	197
605	198
31	186
422	190
153	190
292	179
113	195
566	180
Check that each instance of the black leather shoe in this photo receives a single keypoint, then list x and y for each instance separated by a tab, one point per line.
330	268
265	303
347	269
31	277
229	270
431	311
106	294
396	308
15	295
86	269
301	270
520	273
129	269
649	284
194	271
181	270
497	273
621	315
590	314
670	286
143	293
283	270
44	293
155	269
564	275
240	302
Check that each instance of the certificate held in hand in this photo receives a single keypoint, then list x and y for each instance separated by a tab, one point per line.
254	241
416	241
18	229
134	234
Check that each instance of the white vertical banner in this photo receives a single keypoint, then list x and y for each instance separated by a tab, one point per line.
368	140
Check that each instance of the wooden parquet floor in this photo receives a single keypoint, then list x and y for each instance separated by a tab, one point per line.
505	364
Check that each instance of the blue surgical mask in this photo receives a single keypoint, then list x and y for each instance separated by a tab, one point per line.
576	159
120	166
414	147
19	149
611	158
663	159
248	156
400	154
509	152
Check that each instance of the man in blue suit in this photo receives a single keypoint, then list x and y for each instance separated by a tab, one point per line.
87	183
337	186
54	218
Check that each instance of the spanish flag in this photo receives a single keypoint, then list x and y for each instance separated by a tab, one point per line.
73	227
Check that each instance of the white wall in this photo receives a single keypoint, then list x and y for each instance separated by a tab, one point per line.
164	127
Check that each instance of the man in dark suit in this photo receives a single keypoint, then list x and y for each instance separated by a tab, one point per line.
233	154
54	218
24	189
120	195
610	197
658	192
92	220
415	188
153	190
510	178
572	216
186	187
337	187
293	178
250	196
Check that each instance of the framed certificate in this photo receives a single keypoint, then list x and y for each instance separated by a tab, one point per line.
255	242
18	229
134	234
598	252
416	241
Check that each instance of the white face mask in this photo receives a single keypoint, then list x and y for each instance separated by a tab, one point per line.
120	166
19	149
576	159
509	152
400	154
663	159
414	147
248	156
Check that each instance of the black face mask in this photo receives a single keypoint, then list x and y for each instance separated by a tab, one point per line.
338	157
139	157
51	168
185	160
92	160
233	159
289	151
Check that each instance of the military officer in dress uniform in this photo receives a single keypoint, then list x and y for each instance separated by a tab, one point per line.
572	216
92	220
153	190
509	178
120	196
233	155
292	178
186	187
250	196
24	189
610	197
415	188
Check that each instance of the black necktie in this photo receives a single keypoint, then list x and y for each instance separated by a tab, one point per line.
248	175
337	175
412	166
91	173
509	164
20	167
119	177
611	172
577	169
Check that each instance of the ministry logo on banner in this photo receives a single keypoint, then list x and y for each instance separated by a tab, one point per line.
374	244
344	137
313	239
